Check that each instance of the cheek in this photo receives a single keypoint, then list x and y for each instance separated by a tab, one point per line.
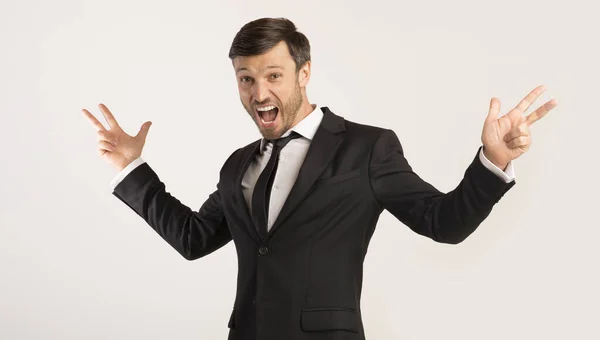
244	96
283	93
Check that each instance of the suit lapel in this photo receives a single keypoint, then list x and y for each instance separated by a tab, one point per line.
322	149
247	158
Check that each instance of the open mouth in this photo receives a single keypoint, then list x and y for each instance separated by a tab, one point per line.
267	114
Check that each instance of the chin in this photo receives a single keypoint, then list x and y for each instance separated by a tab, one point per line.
271	133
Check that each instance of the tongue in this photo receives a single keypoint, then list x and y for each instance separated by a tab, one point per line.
270	115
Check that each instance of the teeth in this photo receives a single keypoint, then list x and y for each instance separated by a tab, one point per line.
266	108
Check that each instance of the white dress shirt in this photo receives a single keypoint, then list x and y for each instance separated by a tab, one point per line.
290	159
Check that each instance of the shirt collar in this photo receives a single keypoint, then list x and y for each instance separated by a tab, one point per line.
306	128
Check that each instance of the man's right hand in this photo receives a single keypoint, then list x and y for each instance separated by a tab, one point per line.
115	146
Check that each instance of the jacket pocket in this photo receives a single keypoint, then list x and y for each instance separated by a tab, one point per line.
328	319
231	323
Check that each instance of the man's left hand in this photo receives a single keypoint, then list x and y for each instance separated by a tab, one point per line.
508	137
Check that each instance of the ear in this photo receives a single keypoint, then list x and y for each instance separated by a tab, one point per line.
304	74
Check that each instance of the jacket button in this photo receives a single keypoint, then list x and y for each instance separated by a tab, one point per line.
263	250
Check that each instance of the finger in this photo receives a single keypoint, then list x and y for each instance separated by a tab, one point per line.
105	136
520	130
520	141
144	131
112	122
541	111
93	120
103	145
494	110
530	98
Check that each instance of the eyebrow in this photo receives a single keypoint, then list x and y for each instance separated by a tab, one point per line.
268	67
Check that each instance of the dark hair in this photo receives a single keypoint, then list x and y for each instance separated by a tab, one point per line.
260	35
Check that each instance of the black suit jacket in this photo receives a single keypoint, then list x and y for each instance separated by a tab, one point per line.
303	278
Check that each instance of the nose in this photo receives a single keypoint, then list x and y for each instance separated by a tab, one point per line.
260	91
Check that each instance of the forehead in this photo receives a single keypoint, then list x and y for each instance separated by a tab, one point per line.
278	56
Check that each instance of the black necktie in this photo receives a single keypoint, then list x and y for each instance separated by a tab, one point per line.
262	189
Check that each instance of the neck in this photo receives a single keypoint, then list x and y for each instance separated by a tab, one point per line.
303	111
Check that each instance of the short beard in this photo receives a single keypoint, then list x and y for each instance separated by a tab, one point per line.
288	114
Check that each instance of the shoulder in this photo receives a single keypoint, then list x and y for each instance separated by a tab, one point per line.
236	156
367	133
369	138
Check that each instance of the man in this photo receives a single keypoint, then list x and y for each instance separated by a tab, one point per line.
301	204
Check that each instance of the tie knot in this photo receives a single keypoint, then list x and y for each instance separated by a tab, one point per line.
281	142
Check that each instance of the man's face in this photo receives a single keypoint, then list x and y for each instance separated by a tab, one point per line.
270	89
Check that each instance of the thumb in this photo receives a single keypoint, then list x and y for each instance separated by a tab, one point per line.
144	131
494	110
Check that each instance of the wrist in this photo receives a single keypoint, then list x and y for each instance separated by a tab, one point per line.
501	165
123	164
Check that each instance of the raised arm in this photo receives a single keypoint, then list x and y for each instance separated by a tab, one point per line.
452	217
444	217
193	234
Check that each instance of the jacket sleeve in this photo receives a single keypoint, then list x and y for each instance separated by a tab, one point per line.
444	217
193	234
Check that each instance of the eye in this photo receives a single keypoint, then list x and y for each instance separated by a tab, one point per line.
276	75
245	79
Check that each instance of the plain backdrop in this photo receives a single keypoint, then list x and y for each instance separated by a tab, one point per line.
77	263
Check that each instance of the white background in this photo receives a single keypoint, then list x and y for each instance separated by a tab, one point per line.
76	263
